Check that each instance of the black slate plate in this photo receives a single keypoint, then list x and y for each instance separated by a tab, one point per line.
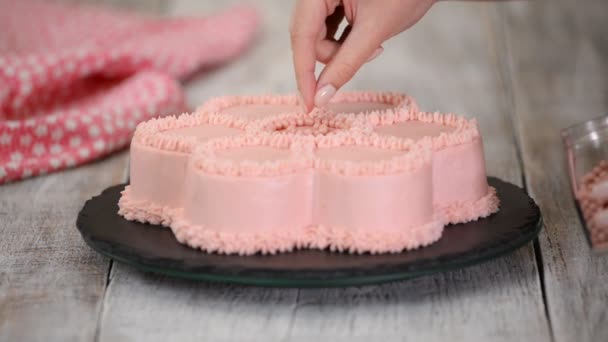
154	248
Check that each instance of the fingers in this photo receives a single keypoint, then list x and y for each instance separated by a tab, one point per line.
376	53
359	47
332	22
327	46
326	50
307	22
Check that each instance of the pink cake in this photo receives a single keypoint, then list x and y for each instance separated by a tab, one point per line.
255	174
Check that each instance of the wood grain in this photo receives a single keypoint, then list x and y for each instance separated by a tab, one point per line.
557	59
146	6
51	283
448	62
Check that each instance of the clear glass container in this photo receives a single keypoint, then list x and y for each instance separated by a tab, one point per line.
586	148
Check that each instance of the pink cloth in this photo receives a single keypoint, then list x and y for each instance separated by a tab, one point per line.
75	81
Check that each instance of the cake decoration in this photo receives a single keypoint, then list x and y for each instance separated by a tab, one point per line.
253	155
318	122
460	190
160	151
311	194
369	173
168	133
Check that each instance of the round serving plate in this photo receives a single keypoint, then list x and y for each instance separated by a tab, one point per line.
154	248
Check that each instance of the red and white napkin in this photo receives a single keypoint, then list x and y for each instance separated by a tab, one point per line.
75	81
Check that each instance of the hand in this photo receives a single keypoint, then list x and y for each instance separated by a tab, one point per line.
371	22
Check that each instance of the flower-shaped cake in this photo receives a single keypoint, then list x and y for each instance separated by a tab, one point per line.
369	173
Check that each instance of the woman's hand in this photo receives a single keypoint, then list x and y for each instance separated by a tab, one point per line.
371	22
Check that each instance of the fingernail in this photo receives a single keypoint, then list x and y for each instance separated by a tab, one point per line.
324	94
376	53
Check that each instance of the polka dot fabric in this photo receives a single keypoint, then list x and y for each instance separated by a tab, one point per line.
75	81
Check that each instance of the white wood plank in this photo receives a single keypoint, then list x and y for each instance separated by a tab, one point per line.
558	62
147	6
51	283
151	307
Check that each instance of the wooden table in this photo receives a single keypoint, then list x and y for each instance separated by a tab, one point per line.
524	69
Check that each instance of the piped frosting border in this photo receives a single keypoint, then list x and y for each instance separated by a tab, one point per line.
414	154
143	211
154	133
302	155
465	130
316	236
206	159
399	102
467	211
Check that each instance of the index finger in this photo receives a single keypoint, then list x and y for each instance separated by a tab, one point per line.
308	20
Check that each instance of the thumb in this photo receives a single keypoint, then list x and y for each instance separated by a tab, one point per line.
356	50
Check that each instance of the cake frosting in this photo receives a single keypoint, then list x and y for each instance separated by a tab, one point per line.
256	174
460	189
160	151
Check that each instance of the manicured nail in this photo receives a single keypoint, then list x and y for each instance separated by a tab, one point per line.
324	94
376	53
